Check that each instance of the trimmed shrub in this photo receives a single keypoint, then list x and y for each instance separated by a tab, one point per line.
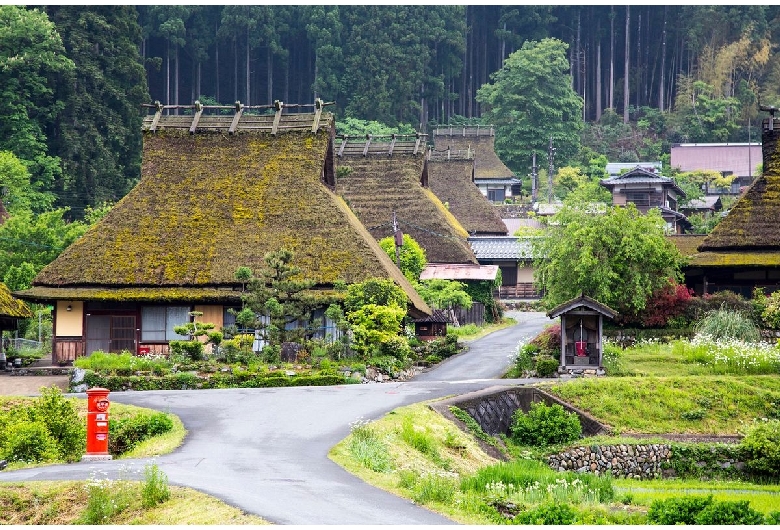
60	418
549	340
669	302
126	433
545	425
729	513
677	510
546	366
28	442
552	513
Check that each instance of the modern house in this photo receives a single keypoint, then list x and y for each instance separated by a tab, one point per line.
743	251
385	181
451	179
216	193
648	190
738	159
494	180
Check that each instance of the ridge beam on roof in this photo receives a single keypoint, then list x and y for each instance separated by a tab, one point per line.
278	105
368	142
196	117
318	104
157	114
237	116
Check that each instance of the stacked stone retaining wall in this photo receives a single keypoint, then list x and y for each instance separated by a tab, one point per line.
624	461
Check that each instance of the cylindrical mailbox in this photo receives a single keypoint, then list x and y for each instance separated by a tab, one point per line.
97	424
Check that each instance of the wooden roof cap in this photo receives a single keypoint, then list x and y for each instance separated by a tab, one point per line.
585	301
200	118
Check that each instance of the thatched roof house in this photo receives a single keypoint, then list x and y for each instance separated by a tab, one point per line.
743	251
208	202
492	177
451	179
11	309
380	178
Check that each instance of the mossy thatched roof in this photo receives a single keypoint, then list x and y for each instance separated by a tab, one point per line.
10	306
487	165
210	202
753	223
451	181
376	186
687	244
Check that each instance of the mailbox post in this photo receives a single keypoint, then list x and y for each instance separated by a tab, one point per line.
97	425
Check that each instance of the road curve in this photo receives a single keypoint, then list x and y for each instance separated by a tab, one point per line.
265	450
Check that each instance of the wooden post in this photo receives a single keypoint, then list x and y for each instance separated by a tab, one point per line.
317	113
158	113
196	117
368	142
278	105
237	116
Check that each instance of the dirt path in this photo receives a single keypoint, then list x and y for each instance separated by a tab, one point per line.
30	385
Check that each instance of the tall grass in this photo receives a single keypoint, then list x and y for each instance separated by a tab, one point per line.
112	362
726	324
533	482
367	447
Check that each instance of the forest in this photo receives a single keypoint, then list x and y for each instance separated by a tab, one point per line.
617	83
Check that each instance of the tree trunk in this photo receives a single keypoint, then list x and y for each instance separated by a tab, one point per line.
176	79
598	79
216	71
248	73
235	69
662	82
270	59
168	73
626	68
612	58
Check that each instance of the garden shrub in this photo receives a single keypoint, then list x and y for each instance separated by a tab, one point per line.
61	420
126	433
396	346
545	425
770	313
192	349
677	510
28	442
668	303
546	366
698	307
729	513
549	340
762	447
551	513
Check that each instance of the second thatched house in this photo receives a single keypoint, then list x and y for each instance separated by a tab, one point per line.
216	193
743	251
386	179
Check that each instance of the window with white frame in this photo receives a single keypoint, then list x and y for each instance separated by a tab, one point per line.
157	322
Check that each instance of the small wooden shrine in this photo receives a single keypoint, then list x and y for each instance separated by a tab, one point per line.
432	327
581	332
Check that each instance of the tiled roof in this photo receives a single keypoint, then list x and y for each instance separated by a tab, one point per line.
448	271
641	176
502	248
582	301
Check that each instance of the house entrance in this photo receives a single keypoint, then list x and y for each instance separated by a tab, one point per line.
110	333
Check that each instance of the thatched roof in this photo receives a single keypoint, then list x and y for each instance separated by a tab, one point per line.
687	244
453	183
10	306
750	233
481	140
210	202
375	186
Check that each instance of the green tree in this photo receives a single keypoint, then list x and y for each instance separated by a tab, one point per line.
360	128
17	193
411	255
278	293
29	241
443	294
375	310
531	100
99	135
32	63
619	258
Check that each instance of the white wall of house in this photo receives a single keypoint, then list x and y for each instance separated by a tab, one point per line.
69	322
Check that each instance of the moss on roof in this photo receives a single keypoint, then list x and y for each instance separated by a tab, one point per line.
753	223
451	182
735	259
210	202
10	306
377	186
487	165
686	243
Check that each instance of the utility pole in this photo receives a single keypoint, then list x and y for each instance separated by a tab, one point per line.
534	179
550	170
399	241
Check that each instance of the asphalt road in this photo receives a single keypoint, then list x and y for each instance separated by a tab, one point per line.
265	450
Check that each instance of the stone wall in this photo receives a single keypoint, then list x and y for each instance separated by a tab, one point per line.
650	461
493	408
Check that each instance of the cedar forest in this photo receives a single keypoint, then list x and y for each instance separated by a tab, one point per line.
617	83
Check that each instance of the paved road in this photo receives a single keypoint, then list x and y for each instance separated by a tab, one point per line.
265	450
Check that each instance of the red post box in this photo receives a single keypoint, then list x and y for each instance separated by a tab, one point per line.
97	424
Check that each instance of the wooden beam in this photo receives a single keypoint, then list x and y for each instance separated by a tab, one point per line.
196	117
278	105
317	113
368	142
392	145
237	116
343	145
417	143
157	114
